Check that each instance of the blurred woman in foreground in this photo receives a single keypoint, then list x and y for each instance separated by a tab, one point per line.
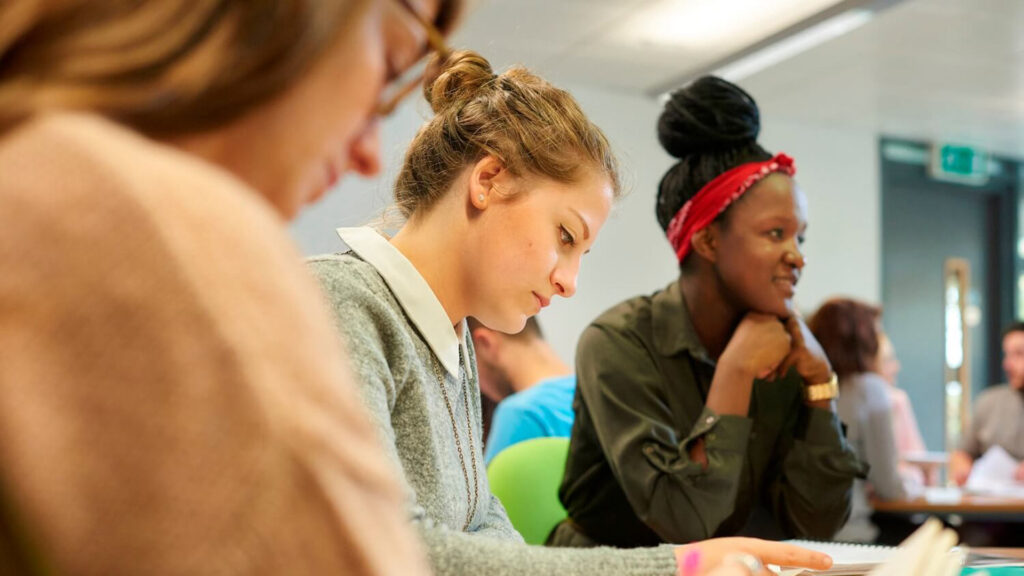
172	400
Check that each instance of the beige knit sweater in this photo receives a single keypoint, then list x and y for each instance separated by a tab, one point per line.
173	399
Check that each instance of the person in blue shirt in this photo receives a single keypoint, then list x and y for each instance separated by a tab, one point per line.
532	386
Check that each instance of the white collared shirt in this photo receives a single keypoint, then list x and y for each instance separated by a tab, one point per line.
412	292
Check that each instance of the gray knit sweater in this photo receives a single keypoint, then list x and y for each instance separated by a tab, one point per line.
400	387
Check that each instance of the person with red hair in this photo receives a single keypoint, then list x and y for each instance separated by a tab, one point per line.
850	332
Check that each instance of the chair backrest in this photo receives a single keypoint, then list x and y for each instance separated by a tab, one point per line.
526	477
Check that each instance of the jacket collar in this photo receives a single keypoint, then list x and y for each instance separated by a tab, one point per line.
673	327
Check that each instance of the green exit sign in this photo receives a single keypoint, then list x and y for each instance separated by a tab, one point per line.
957	163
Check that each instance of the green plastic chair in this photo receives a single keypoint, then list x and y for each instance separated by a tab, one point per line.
526	477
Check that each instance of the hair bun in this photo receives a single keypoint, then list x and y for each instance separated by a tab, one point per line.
708	115
455	79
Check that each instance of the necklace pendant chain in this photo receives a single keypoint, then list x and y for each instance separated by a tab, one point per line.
472	487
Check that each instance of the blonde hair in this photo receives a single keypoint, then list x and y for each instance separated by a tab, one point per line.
520	119
163	67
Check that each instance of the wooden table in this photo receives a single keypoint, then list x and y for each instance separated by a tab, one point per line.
971	506
978	520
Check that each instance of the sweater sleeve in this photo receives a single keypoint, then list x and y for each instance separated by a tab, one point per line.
454	553
813	491
494	547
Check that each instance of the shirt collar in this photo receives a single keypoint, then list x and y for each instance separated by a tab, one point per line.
673	328
412	292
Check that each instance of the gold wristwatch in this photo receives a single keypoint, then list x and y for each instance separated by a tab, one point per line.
824	391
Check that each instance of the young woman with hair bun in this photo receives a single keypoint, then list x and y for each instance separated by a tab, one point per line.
504	190
706	409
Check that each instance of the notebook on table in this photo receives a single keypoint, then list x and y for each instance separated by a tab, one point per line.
855	559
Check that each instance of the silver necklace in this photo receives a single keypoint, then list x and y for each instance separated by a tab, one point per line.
472	494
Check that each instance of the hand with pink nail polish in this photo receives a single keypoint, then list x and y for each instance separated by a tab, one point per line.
708	558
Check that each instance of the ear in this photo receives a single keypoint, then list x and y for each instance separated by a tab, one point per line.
486	175
705	242
486	343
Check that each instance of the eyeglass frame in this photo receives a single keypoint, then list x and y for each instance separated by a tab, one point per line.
436	42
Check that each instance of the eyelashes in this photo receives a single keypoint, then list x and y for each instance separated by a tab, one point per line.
780	234
567	237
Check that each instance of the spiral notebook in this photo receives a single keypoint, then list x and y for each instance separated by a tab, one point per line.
854	559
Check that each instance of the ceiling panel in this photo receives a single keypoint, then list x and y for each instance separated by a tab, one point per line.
540	25
930	68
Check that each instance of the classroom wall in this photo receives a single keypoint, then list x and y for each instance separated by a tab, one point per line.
838	169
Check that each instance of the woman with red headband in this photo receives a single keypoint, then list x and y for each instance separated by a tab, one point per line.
707	409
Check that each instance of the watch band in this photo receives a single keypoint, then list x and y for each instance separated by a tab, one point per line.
824	391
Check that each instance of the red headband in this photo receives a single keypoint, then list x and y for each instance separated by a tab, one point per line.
716	196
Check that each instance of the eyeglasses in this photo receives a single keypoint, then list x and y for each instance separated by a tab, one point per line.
411	79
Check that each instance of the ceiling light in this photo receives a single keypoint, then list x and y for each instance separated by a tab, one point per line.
794	44
717	24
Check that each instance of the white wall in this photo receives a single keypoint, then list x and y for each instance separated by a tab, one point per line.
632	255
837	169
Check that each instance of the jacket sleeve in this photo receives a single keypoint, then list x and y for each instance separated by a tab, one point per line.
811	494
675	496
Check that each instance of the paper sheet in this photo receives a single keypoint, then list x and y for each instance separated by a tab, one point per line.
992	474
929	550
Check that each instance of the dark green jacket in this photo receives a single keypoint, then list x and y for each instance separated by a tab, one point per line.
643	381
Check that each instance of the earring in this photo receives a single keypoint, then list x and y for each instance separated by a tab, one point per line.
481	197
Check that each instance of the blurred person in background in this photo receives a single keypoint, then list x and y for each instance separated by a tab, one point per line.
533	386
998	418
850	332
908	436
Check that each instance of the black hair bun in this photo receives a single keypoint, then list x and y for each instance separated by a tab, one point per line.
708	115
